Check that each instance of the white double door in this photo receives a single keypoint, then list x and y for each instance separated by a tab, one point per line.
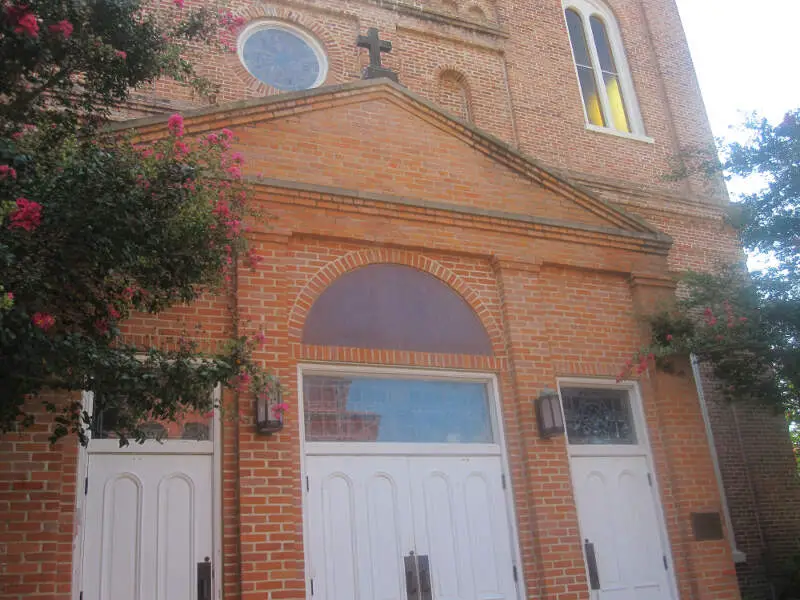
148	525
621	527
366	514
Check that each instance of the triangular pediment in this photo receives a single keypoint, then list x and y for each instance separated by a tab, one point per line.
377	138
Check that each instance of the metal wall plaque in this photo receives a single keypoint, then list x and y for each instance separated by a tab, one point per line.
707	526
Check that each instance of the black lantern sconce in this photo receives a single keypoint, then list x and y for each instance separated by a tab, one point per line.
270	408
548	414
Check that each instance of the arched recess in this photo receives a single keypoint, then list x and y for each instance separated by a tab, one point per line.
395	307
476	13
453	93
353	261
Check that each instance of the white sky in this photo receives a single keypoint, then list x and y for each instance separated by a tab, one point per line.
745	55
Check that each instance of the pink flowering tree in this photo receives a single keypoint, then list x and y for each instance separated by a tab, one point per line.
95	226
70	61
746	326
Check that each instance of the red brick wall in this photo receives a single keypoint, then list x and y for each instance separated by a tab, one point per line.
553	306
38	484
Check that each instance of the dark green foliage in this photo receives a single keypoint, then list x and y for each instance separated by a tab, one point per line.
93	226
113	46
747	327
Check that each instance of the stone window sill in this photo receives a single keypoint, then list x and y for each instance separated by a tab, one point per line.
628	136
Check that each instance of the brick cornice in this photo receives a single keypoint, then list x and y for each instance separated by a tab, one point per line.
653	280
355	201
505	264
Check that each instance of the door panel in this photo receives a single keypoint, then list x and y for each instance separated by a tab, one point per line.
359	523
461	522
148	523
618	514
366	513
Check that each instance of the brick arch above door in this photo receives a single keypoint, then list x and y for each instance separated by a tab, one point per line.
320	281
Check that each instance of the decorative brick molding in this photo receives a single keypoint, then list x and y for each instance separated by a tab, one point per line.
360	258
453	92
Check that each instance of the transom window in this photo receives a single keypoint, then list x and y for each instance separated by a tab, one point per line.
598	416
605	83
282	56
348	408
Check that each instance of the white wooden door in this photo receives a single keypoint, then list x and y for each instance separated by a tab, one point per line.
149	523
359	523
461	523
366	513
619	516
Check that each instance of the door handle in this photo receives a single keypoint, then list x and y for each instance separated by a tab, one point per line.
412	577
204	580
424	568
591	563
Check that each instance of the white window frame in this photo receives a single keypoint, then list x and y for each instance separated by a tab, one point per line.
498	447
586	9
312	42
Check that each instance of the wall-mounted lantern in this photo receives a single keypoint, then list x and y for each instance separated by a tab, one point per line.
548	414
270	408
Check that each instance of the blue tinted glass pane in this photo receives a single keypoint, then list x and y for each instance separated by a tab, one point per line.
602	45
281	59
350	409
578	39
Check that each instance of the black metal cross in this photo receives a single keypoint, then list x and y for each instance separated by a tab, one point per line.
375	45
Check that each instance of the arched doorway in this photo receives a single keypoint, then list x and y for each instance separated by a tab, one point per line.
406	496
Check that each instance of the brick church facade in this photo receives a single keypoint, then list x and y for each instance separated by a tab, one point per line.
441	254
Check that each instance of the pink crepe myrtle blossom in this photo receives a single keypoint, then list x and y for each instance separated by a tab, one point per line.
121	54
23	20
279	409
234	228
7	172
27	215
180	148
63	27
43	321
254	259
221	210
175	125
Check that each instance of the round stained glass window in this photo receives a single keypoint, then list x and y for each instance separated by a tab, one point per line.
283	57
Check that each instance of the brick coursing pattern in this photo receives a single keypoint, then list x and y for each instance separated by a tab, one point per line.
555	304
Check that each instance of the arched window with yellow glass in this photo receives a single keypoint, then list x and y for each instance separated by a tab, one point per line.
608	97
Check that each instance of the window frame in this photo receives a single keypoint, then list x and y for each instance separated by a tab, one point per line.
495	448
586	9
313	43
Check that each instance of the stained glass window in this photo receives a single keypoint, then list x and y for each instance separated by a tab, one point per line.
598	416
610	75
282	57
583	62
605	85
